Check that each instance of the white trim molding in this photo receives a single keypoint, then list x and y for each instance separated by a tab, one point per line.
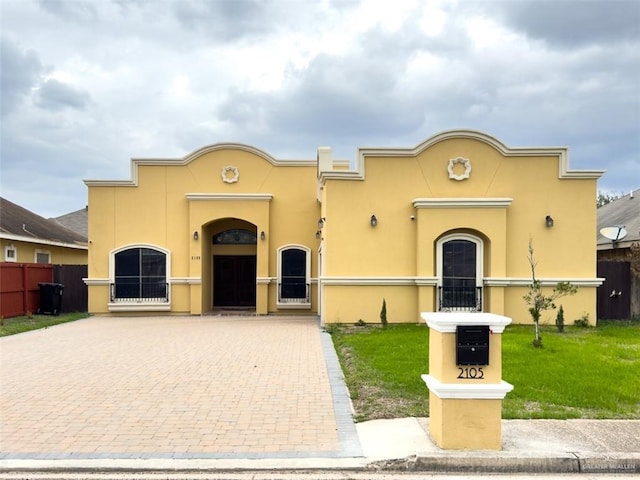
485	391
139	307
264	280
185	280
561	153
229	196
446	322
40	241
368	280
545	282
96	282
137	162
462	202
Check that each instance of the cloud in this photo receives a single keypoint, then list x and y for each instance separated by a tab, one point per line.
56	95
92	84
573	23
21	71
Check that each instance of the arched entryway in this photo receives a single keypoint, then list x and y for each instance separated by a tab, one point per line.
233	259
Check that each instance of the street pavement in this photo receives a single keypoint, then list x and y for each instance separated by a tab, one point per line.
148	397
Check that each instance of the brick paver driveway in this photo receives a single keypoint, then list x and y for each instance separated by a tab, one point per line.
174	387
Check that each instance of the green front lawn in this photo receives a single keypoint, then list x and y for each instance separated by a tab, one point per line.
582	373
13	325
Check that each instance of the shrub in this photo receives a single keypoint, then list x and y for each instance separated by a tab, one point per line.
383	313
560	319
583	321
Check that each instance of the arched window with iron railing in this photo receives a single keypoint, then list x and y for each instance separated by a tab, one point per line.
139	274
293	276
460	270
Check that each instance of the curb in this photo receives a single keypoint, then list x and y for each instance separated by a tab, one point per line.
570	463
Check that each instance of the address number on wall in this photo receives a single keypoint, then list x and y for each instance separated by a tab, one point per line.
195	257
471	373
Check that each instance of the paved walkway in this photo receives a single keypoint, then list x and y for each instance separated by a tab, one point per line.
174	387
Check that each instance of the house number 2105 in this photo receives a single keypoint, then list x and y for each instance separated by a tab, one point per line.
471	372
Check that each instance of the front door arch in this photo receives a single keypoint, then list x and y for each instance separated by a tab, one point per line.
233	257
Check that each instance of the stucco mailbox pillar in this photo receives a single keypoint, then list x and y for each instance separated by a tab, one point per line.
465	379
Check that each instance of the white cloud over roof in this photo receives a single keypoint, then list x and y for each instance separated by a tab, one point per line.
88	85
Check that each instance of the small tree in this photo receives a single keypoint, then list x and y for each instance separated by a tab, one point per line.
539	302
383	313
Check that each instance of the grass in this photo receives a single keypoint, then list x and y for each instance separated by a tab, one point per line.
581	373
25	323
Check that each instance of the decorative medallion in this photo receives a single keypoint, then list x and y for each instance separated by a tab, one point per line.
459	168
230	174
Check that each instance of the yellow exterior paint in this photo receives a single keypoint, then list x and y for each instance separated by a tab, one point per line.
353	265
465	424
58	255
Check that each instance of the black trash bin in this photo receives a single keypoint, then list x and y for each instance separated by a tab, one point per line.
50	298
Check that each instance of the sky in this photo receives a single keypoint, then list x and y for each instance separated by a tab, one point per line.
89	84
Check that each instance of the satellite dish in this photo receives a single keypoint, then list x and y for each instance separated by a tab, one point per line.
615	233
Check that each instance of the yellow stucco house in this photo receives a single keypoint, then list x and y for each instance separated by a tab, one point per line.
438	227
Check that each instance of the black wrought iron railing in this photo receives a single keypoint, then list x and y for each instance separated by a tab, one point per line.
139	292
293	292
460	299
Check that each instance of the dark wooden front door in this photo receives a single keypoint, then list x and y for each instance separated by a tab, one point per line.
234	280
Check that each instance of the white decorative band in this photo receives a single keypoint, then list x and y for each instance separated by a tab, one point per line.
139	307
96	281
186	280
378	281
462	202
545	282
229	196
446	322
485	391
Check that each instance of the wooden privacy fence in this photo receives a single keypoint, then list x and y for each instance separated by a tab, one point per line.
75	294
19	290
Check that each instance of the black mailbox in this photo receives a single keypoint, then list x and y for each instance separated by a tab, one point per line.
472	345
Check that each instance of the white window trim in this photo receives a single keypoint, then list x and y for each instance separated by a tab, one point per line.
294	303
140	305
10	248
479	254
41	252
479	258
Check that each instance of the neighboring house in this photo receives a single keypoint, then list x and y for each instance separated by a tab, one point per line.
619	260
75	221
29	238
442	226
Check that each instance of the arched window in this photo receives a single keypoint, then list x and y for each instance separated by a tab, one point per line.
293	276
460	273
139	275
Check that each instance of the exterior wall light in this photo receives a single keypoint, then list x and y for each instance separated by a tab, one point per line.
548	221
195	235
321	223
318	235
262	235
374	221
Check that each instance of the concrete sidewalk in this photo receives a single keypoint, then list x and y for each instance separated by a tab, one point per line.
403	445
